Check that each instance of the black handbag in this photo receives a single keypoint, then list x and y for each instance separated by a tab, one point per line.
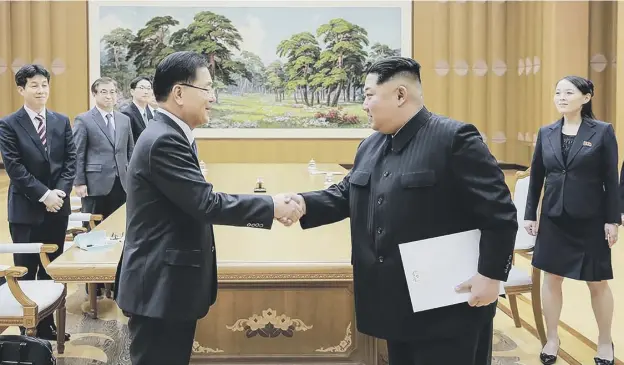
25	350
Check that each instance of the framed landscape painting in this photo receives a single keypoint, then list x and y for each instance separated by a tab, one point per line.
289	67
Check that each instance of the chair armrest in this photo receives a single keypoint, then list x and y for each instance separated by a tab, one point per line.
11	273
41	248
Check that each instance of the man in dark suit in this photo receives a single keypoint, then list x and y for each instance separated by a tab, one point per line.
421	175
138	110
167	275
40	158
104	145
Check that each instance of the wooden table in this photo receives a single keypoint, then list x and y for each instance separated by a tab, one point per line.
285	295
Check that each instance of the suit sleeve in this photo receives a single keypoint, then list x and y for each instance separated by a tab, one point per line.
68	174
130	140
486	194
536	181
19	175
610	169
81	140
176	175
326	206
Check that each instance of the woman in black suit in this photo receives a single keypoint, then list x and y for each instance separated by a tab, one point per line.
577	158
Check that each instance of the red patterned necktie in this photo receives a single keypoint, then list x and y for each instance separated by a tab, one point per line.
41	131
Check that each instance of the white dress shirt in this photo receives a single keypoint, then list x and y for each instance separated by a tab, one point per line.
185	128
32	114
142	111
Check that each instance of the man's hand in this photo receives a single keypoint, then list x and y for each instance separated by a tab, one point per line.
54	201
484	291
289	208
81	191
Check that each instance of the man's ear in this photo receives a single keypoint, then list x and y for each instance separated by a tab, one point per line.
401	95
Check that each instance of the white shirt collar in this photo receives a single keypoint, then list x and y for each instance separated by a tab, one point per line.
184	126
104	112
32	114
141	110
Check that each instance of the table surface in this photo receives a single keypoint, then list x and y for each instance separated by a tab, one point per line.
282	248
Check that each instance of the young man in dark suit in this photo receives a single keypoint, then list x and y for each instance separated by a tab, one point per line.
139	110
40	158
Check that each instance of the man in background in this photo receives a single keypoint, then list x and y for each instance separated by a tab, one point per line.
138	109
40	159
104	144
420	176
167	275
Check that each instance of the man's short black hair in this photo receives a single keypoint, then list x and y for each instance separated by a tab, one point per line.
387	68
177	68
28	72
136	80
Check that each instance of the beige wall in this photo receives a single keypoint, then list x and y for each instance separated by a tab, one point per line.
493	64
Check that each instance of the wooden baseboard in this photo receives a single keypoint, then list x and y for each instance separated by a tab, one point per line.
503	166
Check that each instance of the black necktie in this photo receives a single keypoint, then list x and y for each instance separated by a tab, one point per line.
148	113
194	145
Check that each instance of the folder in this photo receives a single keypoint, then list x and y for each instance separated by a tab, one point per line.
435	266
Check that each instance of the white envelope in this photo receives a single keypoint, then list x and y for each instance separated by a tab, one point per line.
435	266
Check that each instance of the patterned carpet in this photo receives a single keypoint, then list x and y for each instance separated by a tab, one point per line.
105	341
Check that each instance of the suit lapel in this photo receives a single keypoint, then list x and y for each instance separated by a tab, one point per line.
99	120
120	128
52	131
584	134
174	125
554	137
137	114
28	126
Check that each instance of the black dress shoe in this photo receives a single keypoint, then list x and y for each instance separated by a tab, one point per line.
549	359
600	361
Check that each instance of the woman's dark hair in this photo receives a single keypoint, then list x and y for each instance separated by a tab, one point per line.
585	86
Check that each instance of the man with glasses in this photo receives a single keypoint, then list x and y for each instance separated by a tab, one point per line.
104	145
167	274
139	110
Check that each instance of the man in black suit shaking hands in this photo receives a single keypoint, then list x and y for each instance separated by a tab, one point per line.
40	158
421	175
167	275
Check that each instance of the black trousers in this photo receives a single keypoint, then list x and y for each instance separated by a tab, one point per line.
469	348
155	341
51	230
104	205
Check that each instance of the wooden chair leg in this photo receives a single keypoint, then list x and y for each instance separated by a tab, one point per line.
108	288
61	315
536	301
513	304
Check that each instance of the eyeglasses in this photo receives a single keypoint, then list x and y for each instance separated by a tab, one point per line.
209	90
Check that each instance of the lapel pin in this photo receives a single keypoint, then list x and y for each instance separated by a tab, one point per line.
587	143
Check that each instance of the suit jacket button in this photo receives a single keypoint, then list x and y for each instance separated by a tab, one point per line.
380	258
212	248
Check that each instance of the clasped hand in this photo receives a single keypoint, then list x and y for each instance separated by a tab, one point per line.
54	200
289	208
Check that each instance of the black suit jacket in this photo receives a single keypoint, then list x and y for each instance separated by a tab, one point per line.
31	170
436	177
136	119
587	185
168	266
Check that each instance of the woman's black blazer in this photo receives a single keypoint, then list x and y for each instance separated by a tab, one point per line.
586	185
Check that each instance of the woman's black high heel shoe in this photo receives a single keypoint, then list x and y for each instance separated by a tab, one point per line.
600	361
551	359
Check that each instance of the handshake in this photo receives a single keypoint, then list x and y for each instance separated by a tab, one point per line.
288	208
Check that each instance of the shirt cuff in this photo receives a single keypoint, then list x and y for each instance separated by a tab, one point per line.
45	196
